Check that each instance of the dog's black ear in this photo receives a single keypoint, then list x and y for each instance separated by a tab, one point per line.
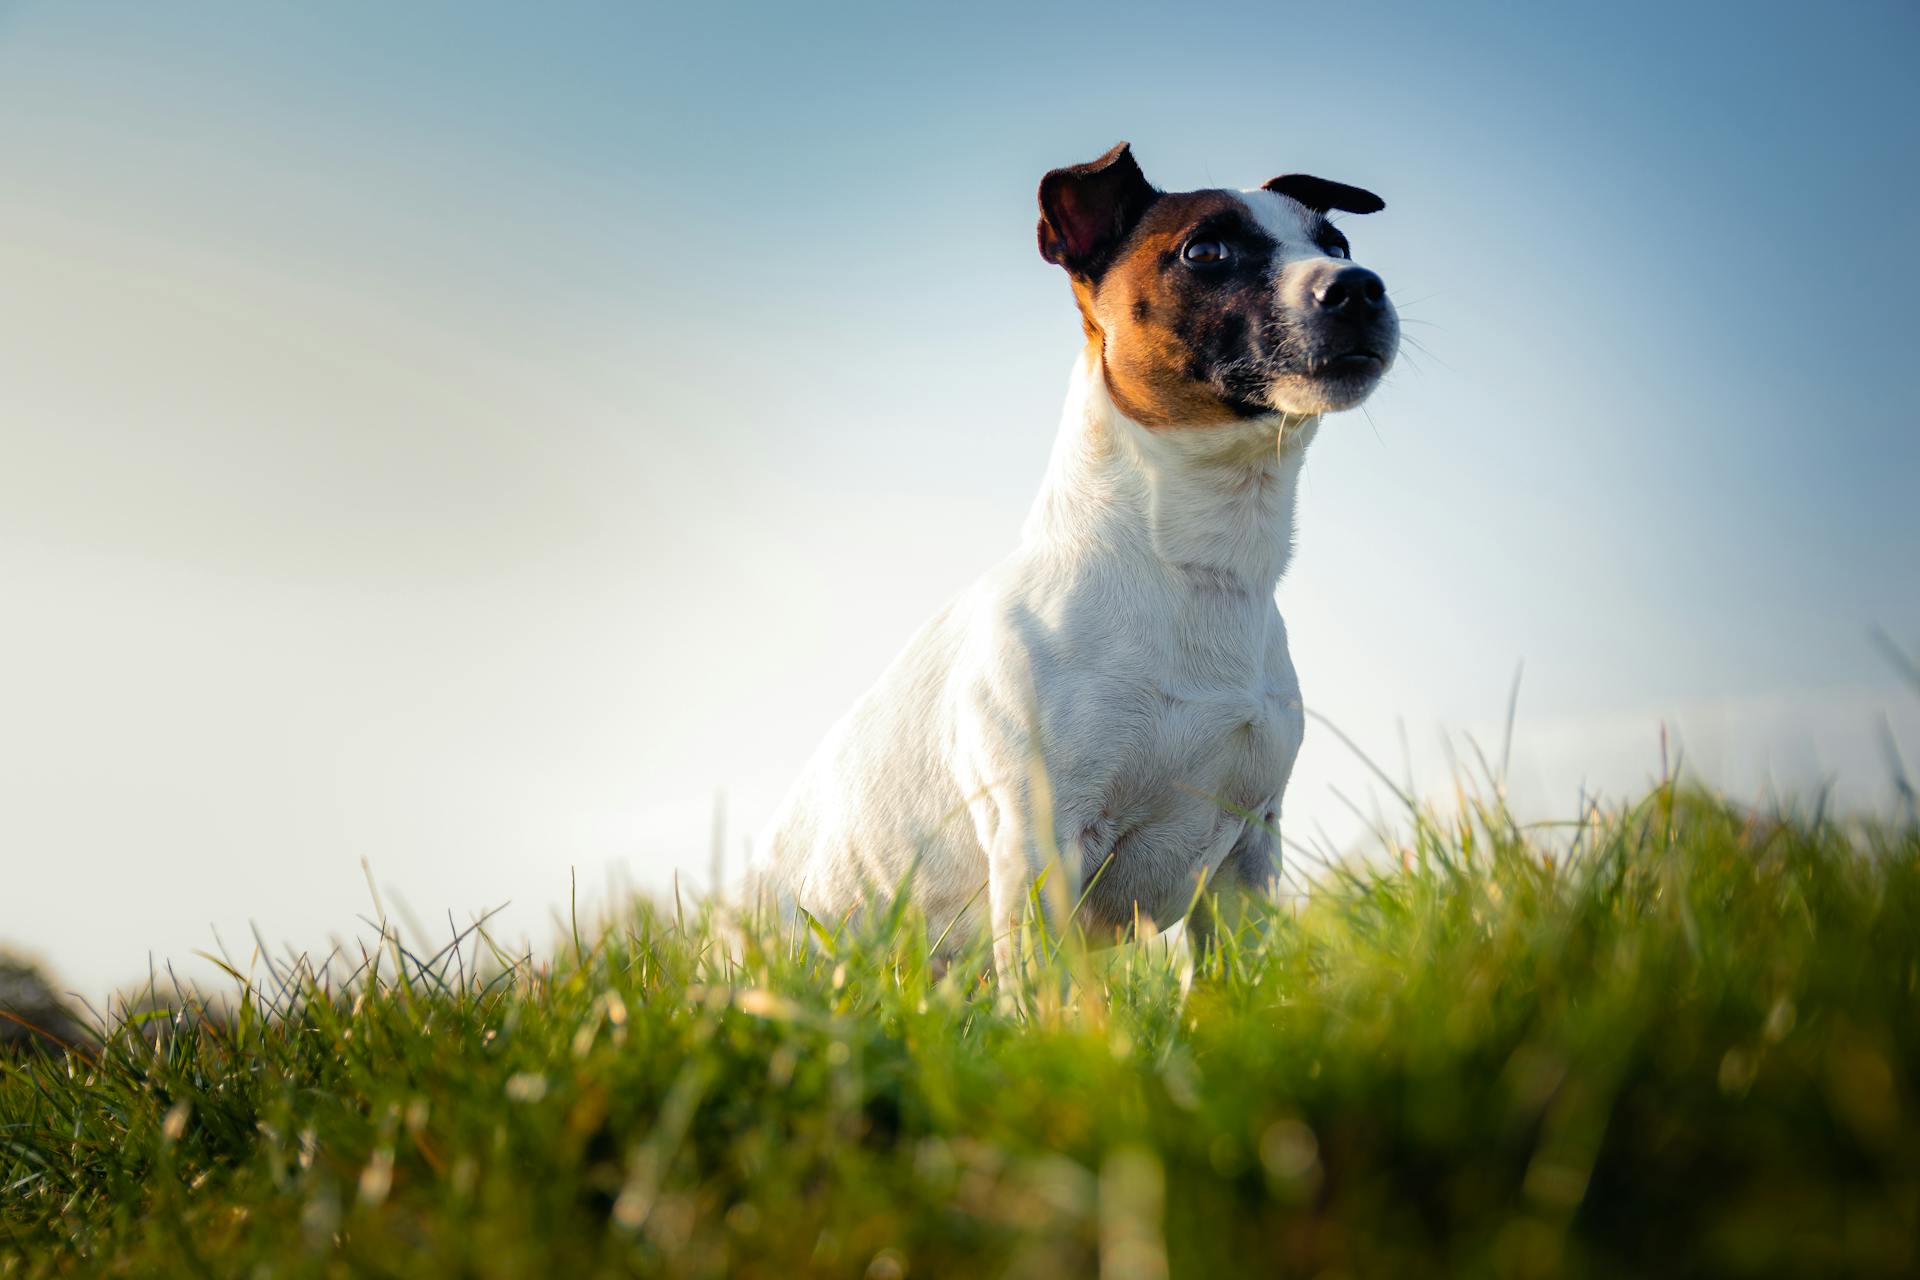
1321	196
1087	210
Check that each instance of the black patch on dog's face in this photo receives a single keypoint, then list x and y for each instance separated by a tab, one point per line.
1223	311
1328	239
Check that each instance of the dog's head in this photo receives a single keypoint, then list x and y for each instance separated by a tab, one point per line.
1214	306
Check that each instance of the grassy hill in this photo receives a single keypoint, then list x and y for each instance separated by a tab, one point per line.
1676	1038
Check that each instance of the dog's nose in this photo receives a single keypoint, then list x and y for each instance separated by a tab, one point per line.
1351	291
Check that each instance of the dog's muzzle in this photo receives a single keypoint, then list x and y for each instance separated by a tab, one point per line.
1348	323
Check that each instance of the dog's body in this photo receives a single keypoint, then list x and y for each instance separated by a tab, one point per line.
1119	689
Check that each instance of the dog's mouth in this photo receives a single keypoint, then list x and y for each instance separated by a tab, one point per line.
1331	383
1351	364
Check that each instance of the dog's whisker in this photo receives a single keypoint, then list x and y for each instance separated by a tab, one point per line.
1374	425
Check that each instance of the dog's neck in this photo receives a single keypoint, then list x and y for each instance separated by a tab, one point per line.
1213	504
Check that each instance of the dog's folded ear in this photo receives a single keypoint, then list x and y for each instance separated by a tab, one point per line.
1087	210
1322	196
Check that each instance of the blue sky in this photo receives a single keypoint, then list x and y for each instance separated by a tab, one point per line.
467	437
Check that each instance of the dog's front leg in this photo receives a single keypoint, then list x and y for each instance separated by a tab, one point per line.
1014	807
1009	873
1014	824
1249	873
1027	802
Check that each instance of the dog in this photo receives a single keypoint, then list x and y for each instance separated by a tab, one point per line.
1114	704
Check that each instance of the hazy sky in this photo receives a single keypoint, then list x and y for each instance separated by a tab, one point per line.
468	437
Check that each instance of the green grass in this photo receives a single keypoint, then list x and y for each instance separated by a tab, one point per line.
1678	1038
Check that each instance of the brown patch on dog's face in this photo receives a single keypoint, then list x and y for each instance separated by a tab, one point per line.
1210	307
1177	338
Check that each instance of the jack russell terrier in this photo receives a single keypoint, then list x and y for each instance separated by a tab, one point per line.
1114	703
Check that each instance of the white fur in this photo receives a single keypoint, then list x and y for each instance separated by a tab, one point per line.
1126	662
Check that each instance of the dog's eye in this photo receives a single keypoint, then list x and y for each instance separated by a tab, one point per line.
1207	253
1337	251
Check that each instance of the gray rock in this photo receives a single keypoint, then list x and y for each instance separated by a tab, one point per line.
27	994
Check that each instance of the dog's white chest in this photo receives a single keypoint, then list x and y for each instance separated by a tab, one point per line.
1198	737
1231	738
